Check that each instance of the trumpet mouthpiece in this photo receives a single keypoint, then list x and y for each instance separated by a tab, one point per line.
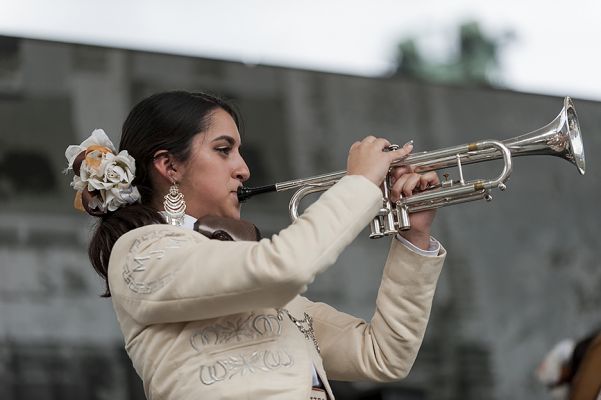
244	193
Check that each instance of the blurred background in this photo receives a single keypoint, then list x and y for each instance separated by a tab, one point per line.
309	78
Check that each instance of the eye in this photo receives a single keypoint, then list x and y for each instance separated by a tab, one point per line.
225	150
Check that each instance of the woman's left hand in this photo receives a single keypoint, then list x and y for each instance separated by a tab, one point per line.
407	183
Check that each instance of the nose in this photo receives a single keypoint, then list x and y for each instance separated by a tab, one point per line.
241	172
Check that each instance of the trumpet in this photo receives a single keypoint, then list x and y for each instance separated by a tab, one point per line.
561	138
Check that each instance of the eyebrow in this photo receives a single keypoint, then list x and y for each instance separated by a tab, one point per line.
231	141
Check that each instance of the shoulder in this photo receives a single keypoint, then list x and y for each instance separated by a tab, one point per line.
150	236
140	254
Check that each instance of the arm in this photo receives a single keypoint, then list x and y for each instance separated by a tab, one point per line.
385	348
160	273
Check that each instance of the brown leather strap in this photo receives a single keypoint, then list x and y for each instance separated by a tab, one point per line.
227	229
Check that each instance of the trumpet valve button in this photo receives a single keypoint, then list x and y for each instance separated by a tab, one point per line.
446	182
487	197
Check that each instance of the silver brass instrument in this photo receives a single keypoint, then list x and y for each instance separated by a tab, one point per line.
561	138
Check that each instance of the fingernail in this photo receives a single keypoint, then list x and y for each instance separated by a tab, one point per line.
409	143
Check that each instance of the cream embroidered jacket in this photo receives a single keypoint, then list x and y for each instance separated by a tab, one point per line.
203	318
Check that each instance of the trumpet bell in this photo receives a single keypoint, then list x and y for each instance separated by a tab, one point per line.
561	138
576	154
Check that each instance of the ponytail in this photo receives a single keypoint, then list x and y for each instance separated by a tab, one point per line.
110	228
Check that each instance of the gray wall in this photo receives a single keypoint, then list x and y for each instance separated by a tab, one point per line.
520	273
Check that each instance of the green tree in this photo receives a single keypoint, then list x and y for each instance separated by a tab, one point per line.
476	62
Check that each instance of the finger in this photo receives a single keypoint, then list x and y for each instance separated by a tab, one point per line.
402	152
397	172
381	143
369	139
397	187
402	169
410	184
429	179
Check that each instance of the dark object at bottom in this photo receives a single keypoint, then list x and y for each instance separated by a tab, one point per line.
227	229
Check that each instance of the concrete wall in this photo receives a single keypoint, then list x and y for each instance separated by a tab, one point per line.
520	274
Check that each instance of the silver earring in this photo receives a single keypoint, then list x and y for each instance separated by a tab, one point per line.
175	206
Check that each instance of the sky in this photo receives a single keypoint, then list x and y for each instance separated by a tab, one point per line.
554	47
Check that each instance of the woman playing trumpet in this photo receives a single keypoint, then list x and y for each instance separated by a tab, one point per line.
216	319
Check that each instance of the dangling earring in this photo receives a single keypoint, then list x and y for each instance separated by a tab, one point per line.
175	206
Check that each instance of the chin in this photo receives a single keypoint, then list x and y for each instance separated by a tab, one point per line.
234	214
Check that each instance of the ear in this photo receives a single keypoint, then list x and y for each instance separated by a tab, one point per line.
166	166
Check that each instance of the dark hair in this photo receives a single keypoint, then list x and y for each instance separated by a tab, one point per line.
164	121
580	349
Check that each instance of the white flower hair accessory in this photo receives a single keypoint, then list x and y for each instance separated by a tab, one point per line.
103	179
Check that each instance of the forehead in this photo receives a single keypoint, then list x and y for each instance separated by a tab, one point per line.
221	123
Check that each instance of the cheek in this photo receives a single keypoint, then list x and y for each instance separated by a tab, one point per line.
211	185
211	180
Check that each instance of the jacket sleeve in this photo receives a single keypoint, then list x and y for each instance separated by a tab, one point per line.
385	348
160	273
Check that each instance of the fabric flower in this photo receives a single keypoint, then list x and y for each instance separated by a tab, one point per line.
103	177
95	154
119	195
98	138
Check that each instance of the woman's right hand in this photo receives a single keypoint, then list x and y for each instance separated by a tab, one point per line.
368	158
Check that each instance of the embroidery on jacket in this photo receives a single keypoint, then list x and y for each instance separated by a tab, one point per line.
242	328
243	364
305	326
137	259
